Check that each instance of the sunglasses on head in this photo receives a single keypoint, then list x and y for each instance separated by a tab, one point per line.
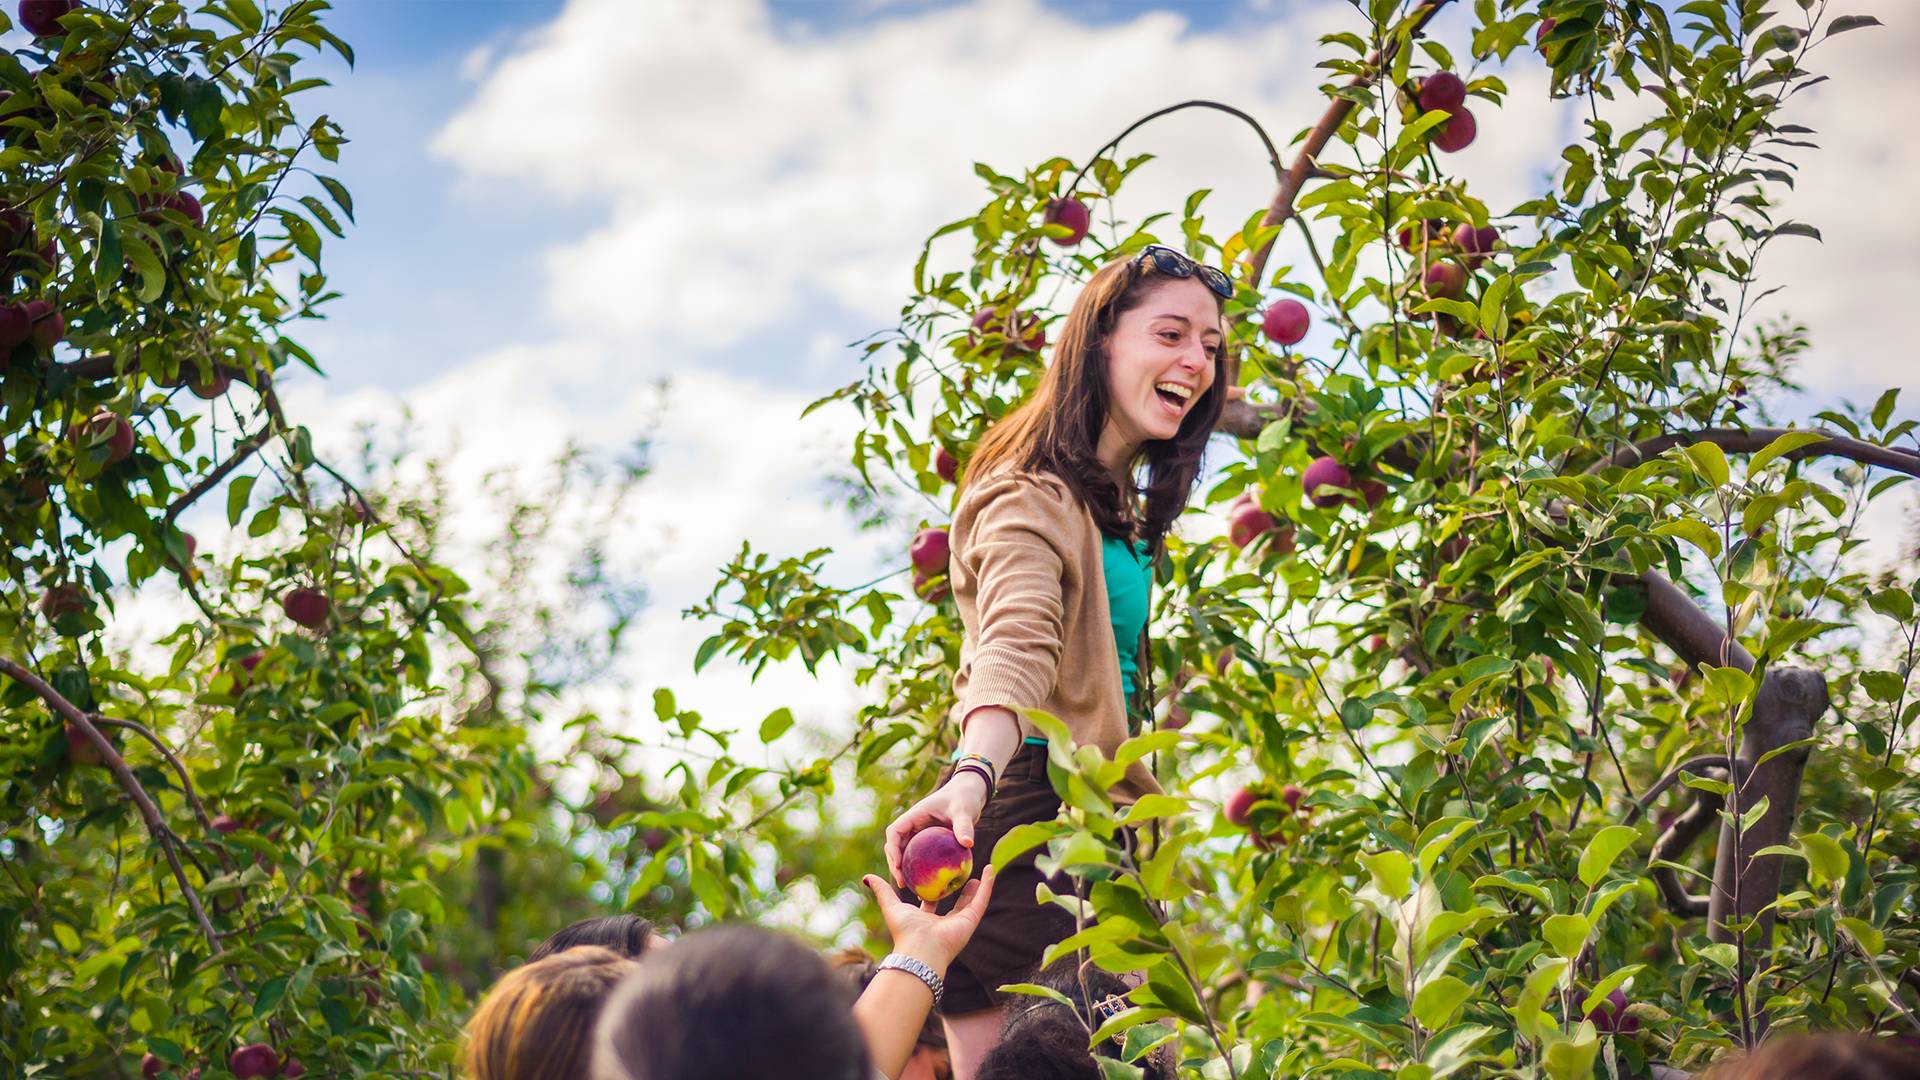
1176	264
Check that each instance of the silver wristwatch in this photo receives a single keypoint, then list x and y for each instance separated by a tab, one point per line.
916	968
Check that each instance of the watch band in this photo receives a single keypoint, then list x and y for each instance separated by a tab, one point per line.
918	969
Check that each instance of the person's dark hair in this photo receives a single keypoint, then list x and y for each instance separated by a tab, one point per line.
1829	1055
538	1021
858	966
1045	1040
1057	429
734	1001
624	934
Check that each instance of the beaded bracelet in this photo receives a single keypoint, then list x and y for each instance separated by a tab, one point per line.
982	760
979	770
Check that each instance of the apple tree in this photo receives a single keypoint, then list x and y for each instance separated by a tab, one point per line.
1526	589
227	845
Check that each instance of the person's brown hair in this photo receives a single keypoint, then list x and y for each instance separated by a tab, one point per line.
1057	429
627	935
537	1022
1830	1055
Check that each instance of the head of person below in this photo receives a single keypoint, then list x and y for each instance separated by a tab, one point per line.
736	1002
1045	1040
628	935
537	1022
1063	504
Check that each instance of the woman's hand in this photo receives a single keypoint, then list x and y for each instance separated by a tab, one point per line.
923	934
955	804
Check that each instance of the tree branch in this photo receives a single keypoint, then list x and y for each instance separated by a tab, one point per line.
1749	440
186	782
149	813
242	450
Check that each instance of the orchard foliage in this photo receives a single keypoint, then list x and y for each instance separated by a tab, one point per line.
258	828
1445	656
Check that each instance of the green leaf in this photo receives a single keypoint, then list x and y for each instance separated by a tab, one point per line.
1021	839
1864	932
1155	806
1824	855
1439	1000
1607	985
1572	1059
237	494
1709	461
153	276
1693	531
776	724
1884	686
1567	934
1785	444
1175	994
1392	873
1603	849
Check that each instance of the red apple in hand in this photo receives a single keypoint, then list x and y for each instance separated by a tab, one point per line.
1071	213
930	551
1327	473
1286	321
935	864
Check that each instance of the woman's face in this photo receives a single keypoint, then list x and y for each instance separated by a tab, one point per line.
1160	361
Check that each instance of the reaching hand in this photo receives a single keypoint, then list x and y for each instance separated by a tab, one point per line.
923	934
955	804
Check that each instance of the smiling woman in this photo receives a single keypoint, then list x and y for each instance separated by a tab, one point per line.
1052	548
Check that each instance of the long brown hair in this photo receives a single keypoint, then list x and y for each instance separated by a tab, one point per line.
537	1022
1057	429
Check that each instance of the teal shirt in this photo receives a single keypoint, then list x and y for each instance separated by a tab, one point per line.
1129	583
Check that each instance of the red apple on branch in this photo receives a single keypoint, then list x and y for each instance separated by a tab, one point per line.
945	465
1443	91
108	428
1326	473
1475	243
1248	524
1457	133
930	551
41	18
253	1061
1239	807
1286	321
16	326
1071	213
49	325
307	607
1444	280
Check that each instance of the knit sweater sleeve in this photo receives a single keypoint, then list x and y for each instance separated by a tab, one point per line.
1015	528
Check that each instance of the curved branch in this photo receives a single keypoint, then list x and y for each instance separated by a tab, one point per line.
1273	153
149	813
1691	765
1684	627
1304	166
186	782
242	450
1694	820
1749	440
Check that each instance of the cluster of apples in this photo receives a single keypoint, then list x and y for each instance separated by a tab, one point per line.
1257	810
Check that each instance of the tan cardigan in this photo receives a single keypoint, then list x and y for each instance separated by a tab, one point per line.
1028	576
